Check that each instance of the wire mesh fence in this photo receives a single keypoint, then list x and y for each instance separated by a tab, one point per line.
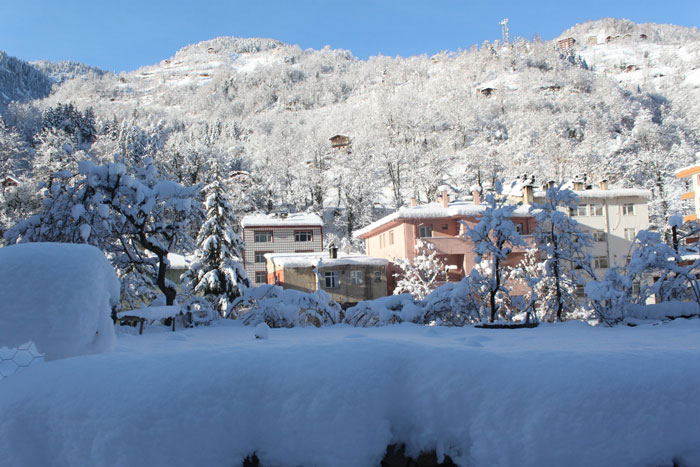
16	359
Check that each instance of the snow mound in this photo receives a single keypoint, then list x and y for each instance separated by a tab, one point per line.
558	395
60	296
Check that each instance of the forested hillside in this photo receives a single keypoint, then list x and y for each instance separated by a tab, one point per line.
626	109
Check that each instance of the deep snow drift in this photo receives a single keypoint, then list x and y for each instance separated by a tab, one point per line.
59	296
565	394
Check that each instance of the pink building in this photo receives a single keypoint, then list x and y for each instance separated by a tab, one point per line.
439	223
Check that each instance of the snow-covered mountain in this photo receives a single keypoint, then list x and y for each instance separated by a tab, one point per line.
20	81
619	101
654	58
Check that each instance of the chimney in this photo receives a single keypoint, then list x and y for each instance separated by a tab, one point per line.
476	192
528	195
414	203
332	251
445	199
603	184
578	185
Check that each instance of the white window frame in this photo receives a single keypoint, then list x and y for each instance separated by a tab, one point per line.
331	279
581	210
305	233
596	210
421	228
357	277
599	236
258	233
600	262
260	273
628	209
630	234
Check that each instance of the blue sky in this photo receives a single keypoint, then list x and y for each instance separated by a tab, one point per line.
125	34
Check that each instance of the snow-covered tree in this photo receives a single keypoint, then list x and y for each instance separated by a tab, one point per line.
134	216
421	275
494	237
563	245
218	274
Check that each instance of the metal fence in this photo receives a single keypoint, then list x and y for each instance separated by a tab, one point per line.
13	360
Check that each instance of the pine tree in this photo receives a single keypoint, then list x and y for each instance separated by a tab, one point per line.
218	274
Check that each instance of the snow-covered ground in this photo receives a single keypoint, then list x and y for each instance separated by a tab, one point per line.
567	394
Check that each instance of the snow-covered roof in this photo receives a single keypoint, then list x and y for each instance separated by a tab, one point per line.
301	260
435	211
275	220
607	194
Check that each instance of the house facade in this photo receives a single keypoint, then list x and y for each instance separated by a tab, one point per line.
612	216
442	225
347	278
692	174
278	233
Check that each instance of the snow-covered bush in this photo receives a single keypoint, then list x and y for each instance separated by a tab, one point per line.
385	310
453	304
285	308
610	297
421	275
60	296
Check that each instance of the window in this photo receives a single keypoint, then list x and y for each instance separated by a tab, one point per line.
303	236
377	276
596	210
582	210
331	279
598	235
260	256
262	236
600	262
579	290
628	209
391	238
630	234
636	287
519	228
357	277
425	231
261	277
445	227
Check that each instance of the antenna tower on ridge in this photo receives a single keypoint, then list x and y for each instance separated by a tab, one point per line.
504	30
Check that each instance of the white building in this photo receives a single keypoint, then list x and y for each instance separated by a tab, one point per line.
613	217
278	233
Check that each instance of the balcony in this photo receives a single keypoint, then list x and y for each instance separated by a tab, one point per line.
461	246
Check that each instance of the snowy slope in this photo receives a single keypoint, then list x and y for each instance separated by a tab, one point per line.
556	395
648	57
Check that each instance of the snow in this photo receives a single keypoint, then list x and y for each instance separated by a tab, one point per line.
291	220
301	260
435	211
60	296
262	331
560	394
693	78
611	193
